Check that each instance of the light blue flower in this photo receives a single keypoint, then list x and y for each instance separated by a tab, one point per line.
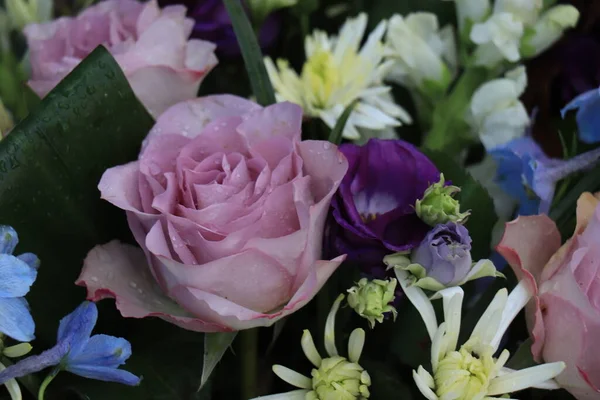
95	357
17	274
588	115
530	176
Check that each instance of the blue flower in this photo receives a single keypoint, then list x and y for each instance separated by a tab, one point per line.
17	274
528	175
588	115
95	357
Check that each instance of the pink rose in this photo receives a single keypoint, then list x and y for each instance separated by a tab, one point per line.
151	46
564	317
229	207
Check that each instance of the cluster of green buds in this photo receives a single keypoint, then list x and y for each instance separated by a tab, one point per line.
439	206
371	299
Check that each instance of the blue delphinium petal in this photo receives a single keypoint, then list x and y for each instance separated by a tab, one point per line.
34	364
588	115
31	259
106	374
16	276
102	350
76	328
15	319
8	239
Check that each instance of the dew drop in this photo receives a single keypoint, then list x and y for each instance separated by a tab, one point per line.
94	279
133	284
326	145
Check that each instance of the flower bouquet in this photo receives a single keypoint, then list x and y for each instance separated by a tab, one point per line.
299	199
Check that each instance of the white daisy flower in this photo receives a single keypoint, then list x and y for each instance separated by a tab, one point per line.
471	372
334	377
336	73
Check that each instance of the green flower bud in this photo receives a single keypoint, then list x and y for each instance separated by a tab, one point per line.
18	350
338	378
370	299
438	205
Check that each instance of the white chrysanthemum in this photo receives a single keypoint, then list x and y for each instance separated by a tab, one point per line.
424	55
334	377
471	372
338	72
497	115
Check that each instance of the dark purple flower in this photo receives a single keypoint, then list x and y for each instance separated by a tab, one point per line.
374	208
445	253
213	24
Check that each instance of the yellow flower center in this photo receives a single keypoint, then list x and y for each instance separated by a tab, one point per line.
338	378
464	373
321	76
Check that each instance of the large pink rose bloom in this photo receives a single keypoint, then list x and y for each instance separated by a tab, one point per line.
229	207
564	316
151	46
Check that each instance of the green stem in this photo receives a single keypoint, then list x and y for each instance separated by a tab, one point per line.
47	381
449	130
249	356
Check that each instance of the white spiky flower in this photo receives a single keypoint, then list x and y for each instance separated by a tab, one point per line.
334	377
338	72
471	372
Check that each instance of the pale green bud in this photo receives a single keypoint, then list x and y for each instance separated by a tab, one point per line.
371	299
261	9
438	205
338	378
18	350
24	12
548	29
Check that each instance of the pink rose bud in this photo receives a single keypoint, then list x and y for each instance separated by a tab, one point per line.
228	206
151	46
564	316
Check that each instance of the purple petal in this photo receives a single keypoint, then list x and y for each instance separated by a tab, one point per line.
588	115
35	363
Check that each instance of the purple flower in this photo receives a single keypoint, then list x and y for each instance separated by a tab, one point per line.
213	24
530	176
76	351
445	253
588	115
374	208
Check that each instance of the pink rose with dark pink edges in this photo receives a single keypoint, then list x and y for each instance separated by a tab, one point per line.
229	206
151	45
564	315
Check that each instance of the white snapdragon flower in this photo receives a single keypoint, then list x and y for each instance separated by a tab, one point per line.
471	372
496	114
498	38
334	377
527	11
337	72
471	12
424	55
549	28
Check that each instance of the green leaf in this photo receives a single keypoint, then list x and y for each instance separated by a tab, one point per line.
215	345
472	197
50	165
257	73
522	358
335	136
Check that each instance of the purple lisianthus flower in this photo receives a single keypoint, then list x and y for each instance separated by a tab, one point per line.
212	23
445	253
77	351
526	173
374	208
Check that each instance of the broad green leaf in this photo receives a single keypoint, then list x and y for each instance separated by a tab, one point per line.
522	358
257	73
215	345
472	197
50	165
335	136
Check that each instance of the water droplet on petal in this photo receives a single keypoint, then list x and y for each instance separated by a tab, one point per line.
94	279
326	145
133	284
